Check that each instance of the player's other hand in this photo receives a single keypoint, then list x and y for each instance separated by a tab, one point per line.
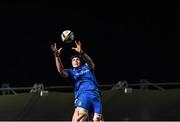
55	50
78	47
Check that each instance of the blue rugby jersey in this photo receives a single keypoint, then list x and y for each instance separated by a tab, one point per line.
84	79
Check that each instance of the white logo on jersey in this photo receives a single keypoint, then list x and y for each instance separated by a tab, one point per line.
80	103
82	72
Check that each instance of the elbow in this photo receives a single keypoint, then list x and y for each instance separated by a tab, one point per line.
63	73
60	71
91	66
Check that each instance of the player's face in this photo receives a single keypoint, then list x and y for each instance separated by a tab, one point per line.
76	62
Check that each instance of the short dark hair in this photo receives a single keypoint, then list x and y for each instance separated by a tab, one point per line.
77	56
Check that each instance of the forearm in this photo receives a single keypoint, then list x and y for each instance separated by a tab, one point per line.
87	59
60	67
59	64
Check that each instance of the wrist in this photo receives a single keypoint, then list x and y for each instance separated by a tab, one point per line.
81	52
57	56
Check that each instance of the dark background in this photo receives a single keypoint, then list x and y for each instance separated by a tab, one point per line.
127	41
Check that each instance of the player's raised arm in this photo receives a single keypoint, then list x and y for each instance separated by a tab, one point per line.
86	58
58	61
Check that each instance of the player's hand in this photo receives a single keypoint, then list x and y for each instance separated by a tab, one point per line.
78	47
55	50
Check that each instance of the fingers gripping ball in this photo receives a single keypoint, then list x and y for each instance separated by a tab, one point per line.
67	36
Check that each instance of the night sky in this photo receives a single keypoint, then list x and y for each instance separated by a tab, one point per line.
126	42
